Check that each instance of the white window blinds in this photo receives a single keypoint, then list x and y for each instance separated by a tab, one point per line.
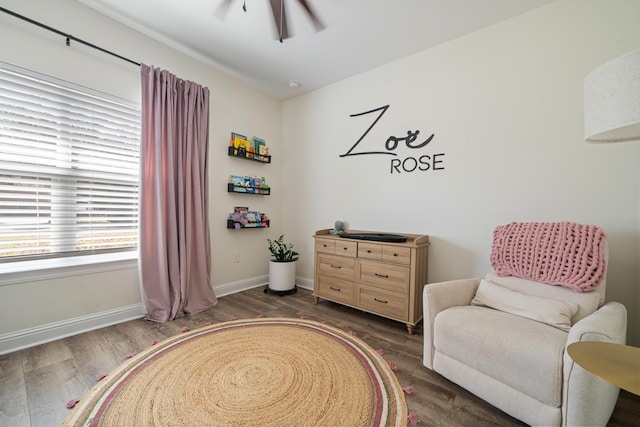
68	168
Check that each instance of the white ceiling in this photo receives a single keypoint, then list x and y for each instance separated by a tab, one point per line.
359	34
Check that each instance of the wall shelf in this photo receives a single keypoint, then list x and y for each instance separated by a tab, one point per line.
262	224
233	188
248	155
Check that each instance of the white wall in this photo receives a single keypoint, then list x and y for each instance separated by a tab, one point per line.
506	107
38	309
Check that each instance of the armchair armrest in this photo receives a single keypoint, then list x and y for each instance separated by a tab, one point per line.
439	296
587	399
608	323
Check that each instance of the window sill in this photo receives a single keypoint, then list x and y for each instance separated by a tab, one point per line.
30	271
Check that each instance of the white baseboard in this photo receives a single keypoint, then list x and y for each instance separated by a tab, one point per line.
243	285
26	338
240	285
53	331
304	283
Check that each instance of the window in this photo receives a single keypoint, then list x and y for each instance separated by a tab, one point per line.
68	168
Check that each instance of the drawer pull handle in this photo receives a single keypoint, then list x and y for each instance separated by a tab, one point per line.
396	255
334	289
368	251
384	276
336	266
381	300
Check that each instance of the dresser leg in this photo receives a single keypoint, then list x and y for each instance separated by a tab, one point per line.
411	329
316	299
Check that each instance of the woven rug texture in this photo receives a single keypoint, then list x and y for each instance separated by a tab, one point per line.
253	372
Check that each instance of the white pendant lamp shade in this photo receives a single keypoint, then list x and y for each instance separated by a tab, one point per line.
612	100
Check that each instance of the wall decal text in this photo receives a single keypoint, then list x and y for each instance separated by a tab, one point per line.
409	164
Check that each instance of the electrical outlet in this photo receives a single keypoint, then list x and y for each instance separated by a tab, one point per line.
236	257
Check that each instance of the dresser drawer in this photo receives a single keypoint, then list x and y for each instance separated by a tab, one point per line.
370	251
396	254
326	246
337	266
386	276
336	289
385	303
345	248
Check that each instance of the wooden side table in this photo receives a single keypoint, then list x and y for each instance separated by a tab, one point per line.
617	364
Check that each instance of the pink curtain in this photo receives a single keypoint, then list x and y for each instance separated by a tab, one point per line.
175	250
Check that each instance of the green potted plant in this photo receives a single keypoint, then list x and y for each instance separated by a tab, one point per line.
282	268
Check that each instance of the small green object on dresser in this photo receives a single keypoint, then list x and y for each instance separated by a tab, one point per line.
338	228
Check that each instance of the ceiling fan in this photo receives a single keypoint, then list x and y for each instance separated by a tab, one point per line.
279	15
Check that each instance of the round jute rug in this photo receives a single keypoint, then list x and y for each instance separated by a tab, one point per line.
254	372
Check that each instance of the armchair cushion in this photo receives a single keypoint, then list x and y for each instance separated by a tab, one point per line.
587	302
515	351
553	312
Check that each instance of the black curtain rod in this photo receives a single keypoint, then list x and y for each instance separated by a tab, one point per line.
69	37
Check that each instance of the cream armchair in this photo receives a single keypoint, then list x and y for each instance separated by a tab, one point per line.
514	354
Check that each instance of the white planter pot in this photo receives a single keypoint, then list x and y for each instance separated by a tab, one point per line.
282	275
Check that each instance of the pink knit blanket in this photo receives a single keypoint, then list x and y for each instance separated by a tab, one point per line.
557	253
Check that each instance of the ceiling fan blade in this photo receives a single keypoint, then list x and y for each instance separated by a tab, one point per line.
222	9
314	18
280	18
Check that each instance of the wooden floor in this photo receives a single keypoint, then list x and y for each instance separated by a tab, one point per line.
36	383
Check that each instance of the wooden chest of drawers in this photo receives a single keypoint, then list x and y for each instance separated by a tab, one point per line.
383	278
